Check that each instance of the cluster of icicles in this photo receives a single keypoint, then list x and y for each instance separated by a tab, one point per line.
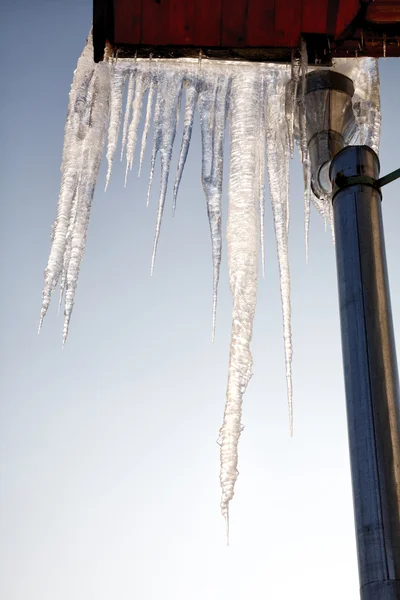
266	117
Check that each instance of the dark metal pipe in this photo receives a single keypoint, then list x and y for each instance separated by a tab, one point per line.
371	376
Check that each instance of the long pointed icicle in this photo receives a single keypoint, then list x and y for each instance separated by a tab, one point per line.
147	121
157	125
291	99
191	101
129	98
117	91
305	159
179	106
278	173
91	158
242	238
84	127
75	131
260	170
83	130
67	253
141	87
169	88
212	108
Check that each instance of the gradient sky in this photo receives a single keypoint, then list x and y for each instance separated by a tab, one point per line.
108	457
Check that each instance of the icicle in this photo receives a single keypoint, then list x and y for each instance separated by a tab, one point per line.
303	142
67	253
212	109
117	90
307	200
258	99
260	171
91	158
302	102
75	131
83	128
146	128
291	100
141	87
191	100
131	90
374	113
242	234
179	105
278	173
366	100
169	89
156	138
330	219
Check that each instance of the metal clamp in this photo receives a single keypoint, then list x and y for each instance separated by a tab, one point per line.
342	181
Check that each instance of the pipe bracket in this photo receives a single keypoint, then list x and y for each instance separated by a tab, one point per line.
342	182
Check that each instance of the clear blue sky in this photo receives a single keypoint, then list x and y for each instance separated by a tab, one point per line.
108	456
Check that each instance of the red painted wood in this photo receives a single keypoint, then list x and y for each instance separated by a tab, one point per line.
287	23
386	11
127	21
234	17
181	22
260	23
348	10
314	16
207	25
238	23
155	22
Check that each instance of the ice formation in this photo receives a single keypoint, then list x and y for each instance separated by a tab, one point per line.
266	116
242	238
